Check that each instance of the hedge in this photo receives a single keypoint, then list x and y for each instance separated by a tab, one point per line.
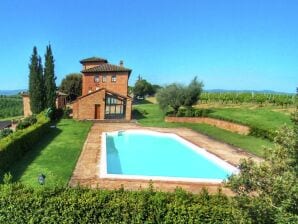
14	146
190	112
19	204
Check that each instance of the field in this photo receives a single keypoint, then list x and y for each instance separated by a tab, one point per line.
10	106
55	155
150	115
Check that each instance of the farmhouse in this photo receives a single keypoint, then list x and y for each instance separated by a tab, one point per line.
104	91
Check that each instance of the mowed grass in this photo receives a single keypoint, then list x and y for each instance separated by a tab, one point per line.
55	155
151	115
262	118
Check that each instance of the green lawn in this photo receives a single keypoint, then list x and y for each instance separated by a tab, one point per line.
262	118
55	155
151	115
11	118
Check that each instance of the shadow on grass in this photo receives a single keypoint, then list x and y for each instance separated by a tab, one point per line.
143	101
137	114
18	168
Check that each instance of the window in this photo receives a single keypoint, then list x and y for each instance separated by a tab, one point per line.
104	78
113	78
114	107
96	78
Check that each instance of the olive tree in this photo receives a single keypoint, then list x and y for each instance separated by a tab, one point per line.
171	96
177	95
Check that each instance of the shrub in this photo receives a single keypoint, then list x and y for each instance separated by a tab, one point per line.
192	112
26	122
189	112
21	204
14	146
5	132
181	113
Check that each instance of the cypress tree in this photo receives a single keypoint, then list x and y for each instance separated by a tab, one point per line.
49	79
36	83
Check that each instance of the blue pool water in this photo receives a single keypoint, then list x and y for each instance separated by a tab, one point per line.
133	153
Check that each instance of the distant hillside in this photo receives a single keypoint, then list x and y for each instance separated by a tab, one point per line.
244	91
11	92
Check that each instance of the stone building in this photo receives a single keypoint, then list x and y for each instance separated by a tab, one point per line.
60	102
104	91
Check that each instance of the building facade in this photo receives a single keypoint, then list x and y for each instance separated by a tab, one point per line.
104	91
60	102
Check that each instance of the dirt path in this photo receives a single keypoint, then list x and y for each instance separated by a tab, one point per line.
87	169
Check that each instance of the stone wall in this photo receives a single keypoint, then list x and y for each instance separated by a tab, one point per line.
26	106
229	126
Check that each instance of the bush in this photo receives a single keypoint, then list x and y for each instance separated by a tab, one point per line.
192	112
14	146
5	132
26	122
66	112
258	132
21	204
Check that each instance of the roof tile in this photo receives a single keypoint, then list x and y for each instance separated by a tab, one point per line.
94	59
107	68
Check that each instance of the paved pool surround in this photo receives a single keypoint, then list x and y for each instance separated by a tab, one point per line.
87	169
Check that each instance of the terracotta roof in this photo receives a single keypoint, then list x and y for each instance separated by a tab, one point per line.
94	59
107	68
108	91
57	92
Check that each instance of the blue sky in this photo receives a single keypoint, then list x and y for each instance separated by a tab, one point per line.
228	44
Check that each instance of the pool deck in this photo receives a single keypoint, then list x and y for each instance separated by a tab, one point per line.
87	168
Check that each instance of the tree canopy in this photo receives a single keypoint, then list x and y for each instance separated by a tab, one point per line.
177	95
143	88
72	85
36	81
49	79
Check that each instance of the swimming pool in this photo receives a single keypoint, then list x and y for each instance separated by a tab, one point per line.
149	155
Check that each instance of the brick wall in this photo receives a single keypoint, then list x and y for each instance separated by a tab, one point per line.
128	109
61	101
237	128
120	86
84	108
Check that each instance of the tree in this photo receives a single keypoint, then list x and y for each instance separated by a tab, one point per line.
49	79
36	83
193	92
142	88
171	96
268	191
177	95
72	85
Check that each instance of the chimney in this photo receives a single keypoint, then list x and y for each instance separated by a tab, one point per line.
121	63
